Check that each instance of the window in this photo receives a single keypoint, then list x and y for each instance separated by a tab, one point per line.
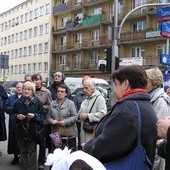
94	57
35	31
20	52
22	19
25	34
63	22
29	50
24	68
41	29
12	38
16	53
137	52
16	37
161	49
25	51
9	39
20	69
46	28
36	13
62	60
120	8
31	15
76	60
41	10
46	47
97	11
5	40
137	3
164	1
21	36
39	66
47	9
29	67
12	53
95	35
40	48
138	26
26	17
9	23
16	69
78	38
30	33
34	67
45	66
63	41
35	49
12	70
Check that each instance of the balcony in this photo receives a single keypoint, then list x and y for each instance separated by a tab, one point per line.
90	20
85	44
150	33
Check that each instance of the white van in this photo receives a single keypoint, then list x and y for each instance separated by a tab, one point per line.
76	82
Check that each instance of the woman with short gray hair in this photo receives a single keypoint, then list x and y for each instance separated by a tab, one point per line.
92	109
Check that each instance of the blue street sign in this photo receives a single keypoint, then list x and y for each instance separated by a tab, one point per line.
165	29
165	59
163	14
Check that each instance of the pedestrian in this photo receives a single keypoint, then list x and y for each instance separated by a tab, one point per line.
58	79
13	147
27	112
92	109
28	77
62	117
45	96
163	128
78	99
118	134
160	101
3	98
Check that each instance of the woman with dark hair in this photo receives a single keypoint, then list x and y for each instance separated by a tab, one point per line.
118	133
62	116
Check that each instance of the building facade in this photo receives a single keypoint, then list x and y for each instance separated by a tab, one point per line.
25	36
73	35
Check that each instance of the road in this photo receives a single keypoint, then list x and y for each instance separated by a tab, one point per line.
6	159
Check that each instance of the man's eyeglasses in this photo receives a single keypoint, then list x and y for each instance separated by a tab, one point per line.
61	91
57	75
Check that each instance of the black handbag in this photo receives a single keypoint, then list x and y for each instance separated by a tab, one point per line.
87	125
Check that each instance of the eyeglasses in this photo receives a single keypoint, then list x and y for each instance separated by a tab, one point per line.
57	75
61	91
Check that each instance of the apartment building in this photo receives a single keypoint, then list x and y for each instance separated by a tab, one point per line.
72	36
25	36
83	29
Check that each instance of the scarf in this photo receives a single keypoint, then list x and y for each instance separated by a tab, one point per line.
132	91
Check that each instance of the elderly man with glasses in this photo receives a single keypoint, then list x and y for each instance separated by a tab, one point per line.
58	80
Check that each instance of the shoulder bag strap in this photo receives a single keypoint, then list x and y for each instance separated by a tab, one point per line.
93	103
139	123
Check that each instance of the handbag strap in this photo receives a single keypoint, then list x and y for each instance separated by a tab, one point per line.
93	103
139	123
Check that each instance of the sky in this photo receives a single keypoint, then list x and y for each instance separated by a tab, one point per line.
8	4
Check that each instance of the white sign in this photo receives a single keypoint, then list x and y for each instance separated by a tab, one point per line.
131	61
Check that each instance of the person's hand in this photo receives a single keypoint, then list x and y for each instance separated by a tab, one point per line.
30	115
21	116
83	116
82	146
62	123
55	122
159	141
162	128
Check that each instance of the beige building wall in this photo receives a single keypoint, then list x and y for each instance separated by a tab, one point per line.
23	29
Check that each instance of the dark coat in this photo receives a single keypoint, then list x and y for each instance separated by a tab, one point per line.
35	106
164	150
9	104
53	87
4	96
116	134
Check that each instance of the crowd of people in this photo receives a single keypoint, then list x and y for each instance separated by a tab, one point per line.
136	123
